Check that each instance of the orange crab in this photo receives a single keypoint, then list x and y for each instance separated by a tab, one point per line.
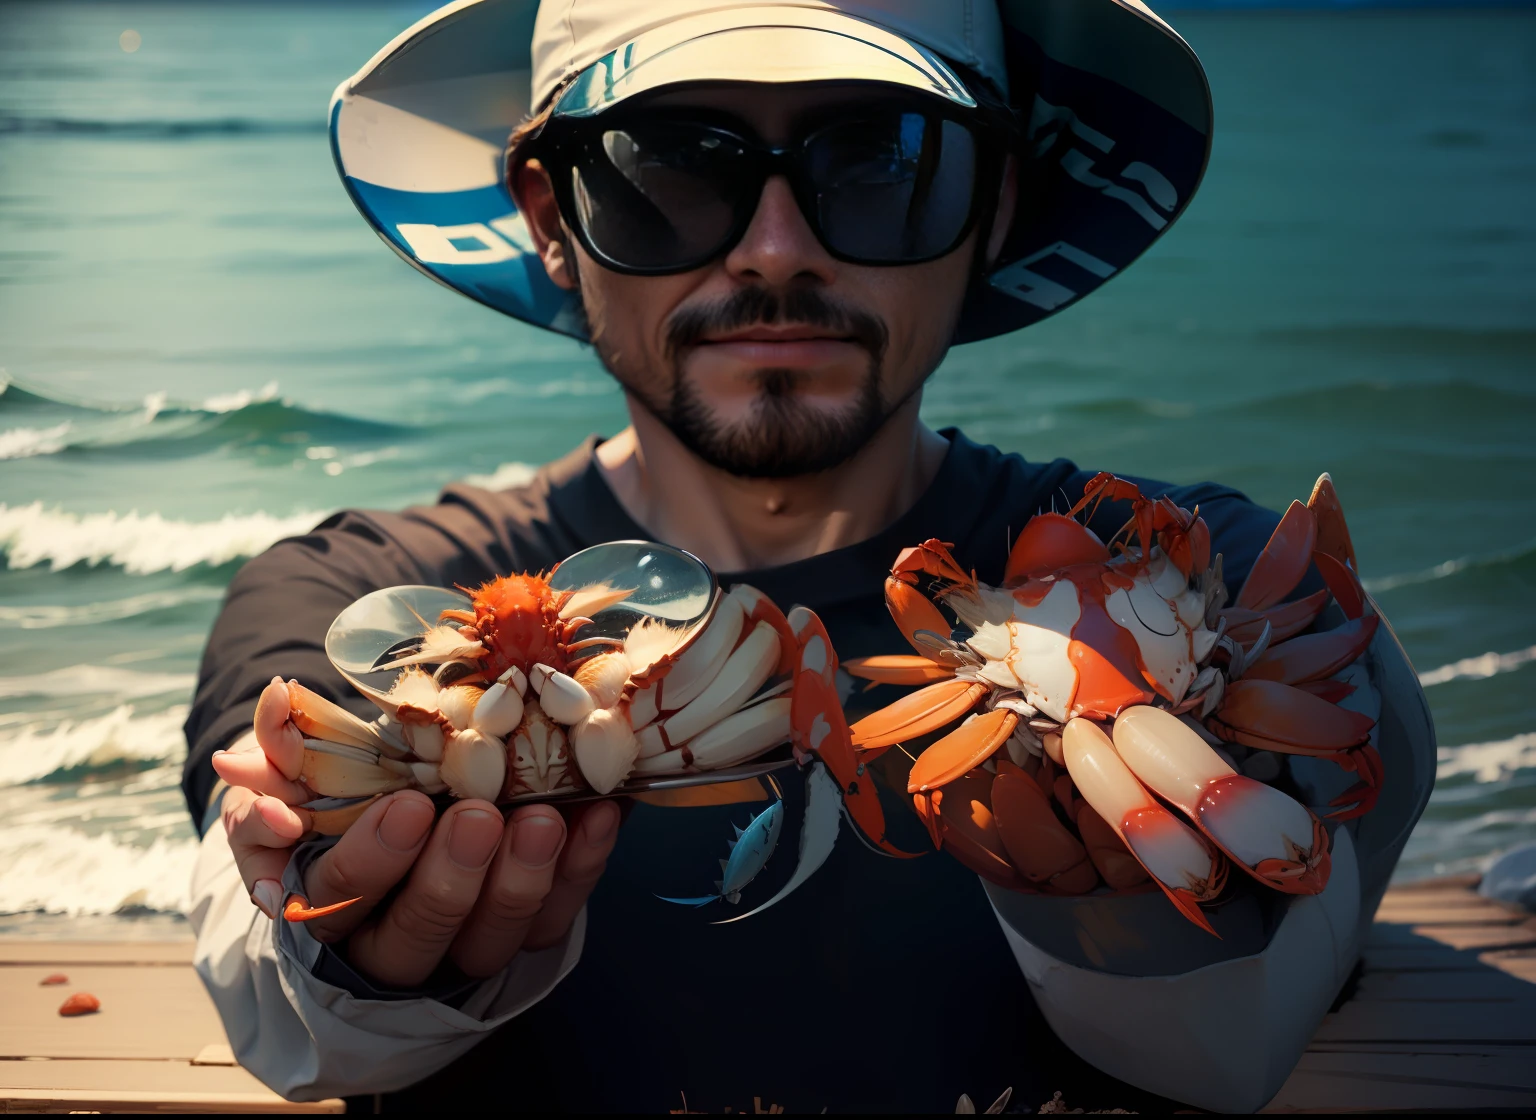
1092	667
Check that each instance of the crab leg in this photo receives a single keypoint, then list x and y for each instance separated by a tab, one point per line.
1037	843
1332	532
1119	868
1278	717
898	668
915	614
337	770
818	728
1343	582
760	608
694	669
298	908
961	822
1313	656
1272	837
319	718
1178	858
1286	620
962	750
1283	562
917	713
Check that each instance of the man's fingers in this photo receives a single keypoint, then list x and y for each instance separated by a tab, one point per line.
414	932
262	832
514	891
282	742
368	861
247	766
593	834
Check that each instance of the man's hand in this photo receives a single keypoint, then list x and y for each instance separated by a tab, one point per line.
476	889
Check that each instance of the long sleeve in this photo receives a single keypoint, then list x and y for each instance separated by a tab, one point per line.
307	1039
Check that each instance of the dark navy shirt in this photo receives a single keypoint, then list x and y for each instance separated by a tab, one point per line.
881	985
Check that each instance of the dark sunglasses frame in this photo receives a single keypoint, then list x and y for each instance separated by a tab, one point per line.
566	142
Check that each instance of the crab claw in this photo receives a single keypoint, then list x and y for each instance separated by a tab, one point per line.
1271	836
298	908
1332	532
917	713
1036	841
818	727
898	668
1181	861
962	750
960	821
1283	562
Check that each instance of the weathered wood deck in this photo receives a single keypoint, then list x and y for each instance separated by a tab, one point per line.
1441	1017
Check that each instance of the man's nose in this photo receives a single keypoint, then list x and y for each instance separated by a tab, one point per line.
779	247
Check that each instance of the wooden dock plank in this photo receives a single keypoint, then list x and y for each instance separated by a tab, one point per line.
1409	1079
1469	986
29	951
140	1086
159	1012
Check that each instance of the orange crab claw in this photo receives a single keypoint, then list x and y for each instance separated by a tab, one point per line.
1038	844
298	908
1277	717
1312	656
1332	531
917	713
1051	541
1283	562
913	612
1330	690
897	668
818	727
1359	798
961	822
933	558
962	750
1343	582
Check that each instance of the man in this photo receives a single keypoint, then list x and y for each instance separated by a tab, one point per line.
771	220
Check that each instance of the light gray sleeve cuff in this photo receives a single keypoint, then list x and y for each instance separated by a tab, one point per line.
309	1040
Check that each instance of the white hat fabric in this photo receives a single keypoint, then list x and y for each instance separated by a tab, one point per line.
1117	109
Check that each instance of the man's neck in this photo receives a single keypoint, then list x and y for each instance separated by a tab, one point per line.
738	524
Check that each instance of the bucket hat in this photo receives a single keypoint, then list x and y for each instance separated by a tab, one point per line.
1114	106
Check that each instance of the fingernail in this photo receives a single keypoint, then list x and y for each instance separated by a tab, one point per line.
267	894
474	838
537	840
405	824
600	823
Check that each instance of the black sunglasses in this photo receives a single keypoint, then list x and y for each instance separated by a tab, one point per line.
658	193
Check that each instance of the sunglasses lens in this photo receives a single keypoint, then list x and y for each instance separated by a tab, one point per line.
892	189
659	196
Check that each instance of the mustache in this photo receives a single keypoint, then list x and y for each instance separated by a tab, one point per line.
751	306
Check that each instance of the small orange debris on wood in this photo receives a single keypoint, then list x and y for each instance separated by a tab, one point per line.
51	979
81	1003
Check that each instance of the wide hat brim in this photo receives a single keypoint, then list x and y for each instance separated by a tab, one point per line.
1118	115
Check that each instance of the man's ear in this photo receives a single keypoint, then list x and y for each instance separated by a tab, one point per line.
535	198
1007	206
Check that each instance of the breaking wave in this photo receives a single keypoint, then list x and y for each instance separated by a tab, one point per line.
1479	668
1449	568
139	543
60	870
504	477
97	680
1488	762
44	616
160	426
45	748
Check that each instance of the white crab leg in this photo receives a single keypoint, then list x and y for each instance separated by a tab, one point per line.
474	765
604	746
734	739
500	710
1275	838
337	770
561	696
742	674
1182	863
696	668
318	718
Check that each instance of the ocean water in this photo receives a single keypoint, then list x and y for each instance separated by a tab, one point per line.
204	349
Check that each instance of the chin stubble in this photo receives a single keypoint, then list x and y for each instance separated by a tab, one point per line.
782	437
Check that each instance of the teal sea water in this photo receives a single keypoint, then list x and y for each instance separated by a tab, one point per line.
205	350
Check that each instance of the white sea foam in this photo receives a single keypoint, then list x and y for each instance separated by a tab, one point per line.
97	680
234	402
1480	667
504	477
36	749
138	542
23	443
1488	762
1448	568
62	870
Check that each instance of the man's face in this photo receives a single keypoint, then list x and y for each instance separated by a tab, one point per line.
776	359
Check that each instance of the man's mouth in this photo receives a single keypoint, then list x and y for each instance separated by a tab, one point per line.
781	345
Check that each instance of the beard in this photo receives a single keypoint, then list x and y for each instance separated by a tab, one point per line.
781	436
